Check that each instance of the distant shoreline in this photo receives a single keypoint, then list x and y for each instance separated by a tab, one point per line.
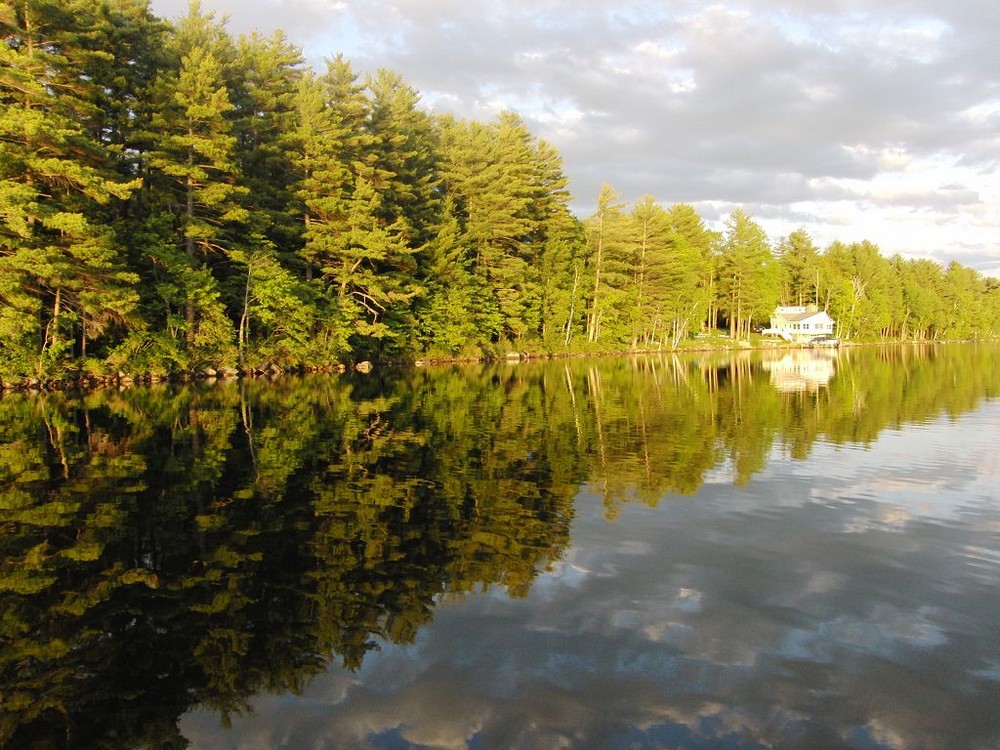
210	375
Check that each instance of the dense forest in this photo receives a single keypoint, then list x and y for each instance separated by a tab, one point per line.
175	199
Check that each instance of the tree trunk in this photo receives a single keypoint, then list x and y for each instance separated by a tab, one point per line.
51	339
189	248
592	323
572	304
244	317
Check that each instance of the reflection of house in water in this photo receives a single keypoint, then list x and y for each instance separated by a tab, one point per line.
802	369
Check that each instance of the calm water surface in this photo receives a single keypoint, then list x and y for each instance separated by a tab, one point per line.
771	551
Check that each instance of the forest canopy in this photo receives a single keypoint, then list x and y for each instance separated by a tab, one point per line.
174	198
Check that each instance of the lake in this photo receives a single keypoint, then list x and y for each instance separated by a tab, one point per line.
763	550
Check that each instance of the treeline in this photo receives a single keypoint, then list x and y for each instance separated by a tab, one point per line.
174	198
657	274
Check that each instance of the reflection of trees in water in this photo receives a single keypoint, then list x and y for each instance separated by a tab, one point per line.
168	547
172	547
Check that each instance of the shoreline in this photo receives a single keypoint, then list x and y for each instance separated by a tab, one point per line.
86	384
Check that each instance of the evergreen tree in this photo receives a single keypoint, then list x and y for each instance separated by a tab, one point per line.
799	259
691	261
449	313
172	198
652	232
922	281
668	298
562	267
328	153
559	244
266	74
329	149
964	293
748	274
362	244
609	255
500	190
373	274
404	158
862	294
276	314
840	289
63	281
196	176
882	296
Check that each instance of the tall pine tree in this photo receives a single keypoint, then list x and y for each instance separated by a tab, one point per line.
610	254
748	274
62	279
195	174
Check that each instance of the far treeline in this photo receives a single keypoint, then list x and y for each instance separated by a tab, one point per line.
175	199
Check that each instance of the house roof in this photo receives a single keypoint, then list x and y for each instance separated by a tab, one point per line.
798	317
797	314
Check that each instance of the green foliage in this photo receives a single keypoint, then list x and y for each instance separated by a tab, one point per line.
610	255
864	293
748	275
63	282
172	198
505	215
669	299
799	260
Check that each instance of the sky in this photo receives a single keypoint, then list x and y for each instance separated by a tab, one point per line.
875	120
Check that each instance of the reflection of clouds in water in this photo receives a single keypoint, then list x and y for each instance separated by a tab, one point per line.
688	600
455	713
922	472
884	633
823	582
439	715
992	672
746	618
554	689
886	517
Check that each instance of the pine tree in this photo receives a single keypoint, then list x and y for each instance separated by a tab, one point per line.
196	178
964	293
62	280
558	242
799	261
405	157
861	292
494	184
266	76
748	274
329	152
449	314
609	254
373	274
362	250
922	281
652	232
276	316
691	269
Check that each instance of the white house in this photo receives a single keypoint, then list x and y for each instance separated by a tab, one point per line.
800	323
